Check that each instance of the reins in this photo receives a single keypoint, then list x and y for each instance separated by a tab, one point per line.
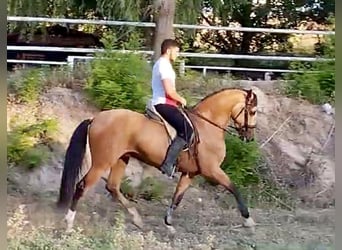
246	126
211	122
197	140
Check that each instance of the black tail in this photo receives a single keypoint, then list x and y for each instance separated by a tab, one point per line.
73	163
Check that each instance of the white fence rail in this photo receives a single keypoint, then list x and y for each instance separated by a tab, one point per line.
181	26
182	67
71	59
184	54
35	62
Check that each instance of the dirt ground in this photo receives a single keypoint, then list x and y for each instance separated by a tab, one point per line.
295	152
200	218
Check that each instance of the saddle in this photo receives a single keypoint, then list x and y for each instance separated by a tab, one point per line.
152	114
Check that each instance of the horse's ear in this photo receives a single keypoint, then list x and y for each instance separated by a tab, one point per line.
249	93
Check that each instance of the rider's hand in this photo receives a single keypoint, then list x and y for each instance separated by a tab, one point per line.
183	102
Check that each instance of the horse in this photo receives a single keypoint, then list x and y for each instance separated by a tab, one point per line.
113	136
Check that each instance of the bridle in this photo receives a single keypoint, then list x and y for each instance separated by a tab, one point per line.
242	129
245	125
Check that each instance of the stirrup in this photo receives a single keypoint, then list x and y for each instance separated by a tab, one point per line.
172	173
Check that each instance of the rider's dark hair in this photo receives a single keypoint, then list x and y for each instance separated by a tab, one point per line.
168	43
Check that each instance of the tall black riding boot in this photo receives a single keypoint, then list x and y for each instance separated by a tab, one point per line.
173	151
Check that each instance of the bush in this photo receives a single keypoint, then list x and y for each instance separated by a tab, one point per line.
27	86
127	188
151	189
317	87
241	160
26	145
119	80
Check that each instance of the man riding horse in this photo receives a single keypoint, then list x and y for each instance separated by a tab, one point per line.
166	100
108	140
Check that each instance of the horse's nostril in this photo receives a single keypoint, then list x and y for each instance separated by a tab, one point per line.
250	139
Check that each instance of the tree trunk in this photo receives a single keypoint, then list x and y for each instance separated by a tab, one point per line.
164	17
246	21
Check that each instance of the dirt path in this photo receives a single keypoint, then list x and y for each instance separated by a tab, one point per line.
201	218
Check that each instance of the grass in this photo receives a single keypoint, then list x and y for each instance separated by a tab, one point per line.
150	189
23	235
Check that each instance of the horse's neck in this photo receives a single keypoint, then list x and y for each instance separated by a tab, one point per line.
218	108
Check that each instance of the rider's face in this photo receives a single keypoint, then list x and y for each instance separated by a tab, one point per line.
173	53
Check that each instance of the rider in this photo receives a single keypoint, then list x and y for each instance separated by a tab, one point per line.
166	100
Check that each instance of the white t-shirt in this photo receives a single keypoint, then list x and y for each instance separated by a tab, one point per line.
162	69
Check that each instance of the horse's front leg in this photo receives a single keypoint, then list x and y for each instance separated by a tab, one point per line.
183	184
218	175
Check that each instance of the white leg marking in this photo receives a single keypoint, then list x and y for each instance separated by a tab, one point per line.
136	217
249	222
70	217
171	229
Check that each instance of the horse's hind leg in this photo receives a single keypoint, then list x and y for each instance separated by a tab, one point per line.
182	186
113	186
89	180
222	178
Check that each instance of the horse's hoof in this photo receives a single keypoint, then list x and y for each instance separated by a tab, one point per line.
168	220
249	222
171	229
69	230
138	222
139	225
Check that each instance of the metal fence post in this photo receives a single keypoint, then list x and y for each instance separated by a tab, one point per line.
182	68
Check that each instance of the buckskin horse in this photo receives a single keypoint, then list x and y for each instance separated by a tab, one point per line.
112	136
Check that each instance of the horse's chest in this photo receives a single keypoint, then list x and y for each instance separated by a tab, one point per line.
215	147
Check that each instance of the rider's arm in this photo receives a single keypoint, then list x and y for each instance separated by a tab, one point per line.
165	74
170	91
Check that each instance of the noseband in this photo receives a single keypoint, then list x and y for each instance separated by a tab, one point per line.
245	109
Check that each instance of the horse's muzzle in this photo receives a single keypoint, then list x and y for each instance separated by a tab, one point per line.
246	139
250	139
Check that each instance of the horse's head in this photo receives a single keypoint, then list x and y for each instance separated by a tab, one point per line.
244	116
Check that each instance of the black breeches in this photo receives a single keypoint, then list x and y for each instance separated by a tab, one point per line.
176	119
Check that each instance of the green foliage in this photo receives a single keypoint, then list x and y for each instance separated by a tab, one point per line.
118	80
27	86
134	41
151	189
24	235
317	87
26	145
127	188
34	156
267	194
241	160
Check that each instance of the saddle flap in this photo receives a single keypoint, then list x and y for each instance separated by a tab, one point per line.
153	114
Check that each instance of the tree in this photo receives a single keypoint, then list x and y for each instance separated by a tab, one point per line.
164	18
246	13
